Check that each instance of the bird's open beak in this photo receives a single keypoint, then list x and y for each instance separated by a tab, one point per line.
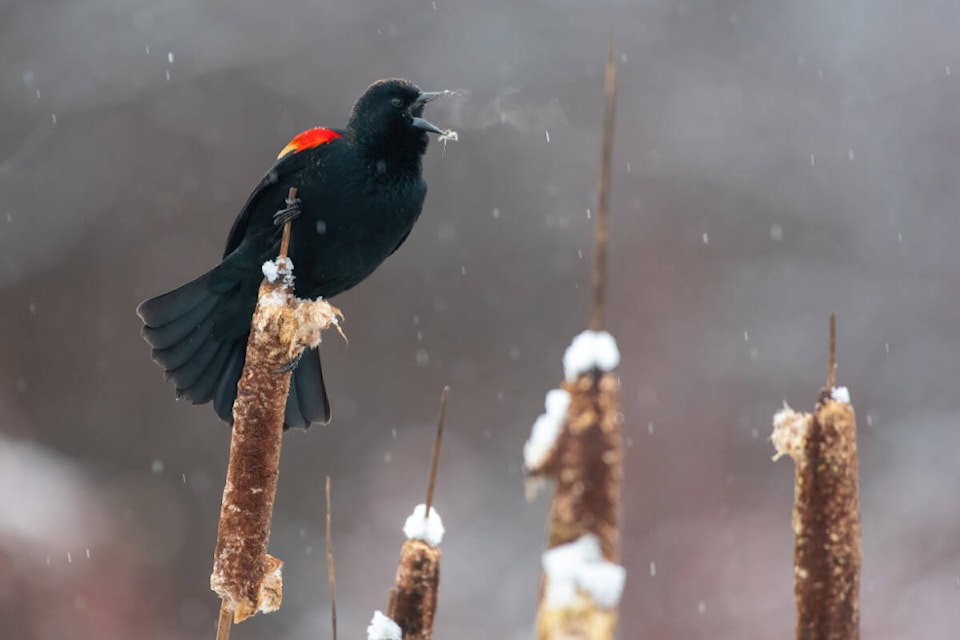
417	107
428	96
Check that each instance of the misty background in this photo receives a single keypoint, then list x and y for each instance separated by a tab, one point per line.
774	161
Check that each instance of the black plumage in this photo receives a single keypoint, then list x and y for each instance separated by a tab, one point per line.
360	192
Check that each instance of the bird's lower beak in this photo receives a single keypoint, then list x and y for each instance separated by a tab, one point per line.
426	125
417	108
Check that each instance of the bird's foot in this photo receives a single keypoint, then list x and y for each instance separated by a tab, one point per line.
290	366
291	213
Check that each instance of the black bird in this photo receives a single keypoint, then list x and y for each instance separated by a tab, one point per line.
359	194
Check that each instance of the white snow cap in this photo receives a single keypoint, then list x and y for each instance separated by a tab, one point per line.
840	394
271	271
420	527
590	350
580	565
383	628
604	582
546	429
556	403
543	437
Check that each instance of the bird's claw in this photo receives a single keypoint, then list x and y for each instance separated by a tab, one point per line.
291	213
290	366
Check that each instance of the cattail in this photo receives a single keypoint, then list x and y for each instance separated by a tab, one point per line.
578	445
826	511
246	578
413	600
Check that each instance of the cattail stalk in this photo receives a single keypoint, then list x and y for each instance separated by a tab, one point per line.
331	571
601	236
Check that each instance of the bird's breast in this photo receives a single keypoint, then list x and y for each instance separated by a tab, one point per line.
342	240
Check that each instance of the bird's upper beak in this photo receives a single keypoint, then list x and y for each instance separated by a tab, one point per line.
428	96
417	108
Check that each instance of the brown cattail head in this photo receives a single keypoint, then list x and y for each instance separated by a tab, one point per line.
413	603
578	445
826	515
590	466
244	575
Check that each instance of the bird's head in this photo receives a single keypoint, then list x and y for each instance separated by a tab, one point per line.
390	115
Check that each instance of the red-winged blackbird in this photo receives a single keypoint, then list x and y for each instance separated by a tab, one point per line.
361	193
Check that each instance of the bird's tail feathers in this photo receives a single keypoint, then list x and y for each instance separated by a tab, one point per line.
181	327
199	341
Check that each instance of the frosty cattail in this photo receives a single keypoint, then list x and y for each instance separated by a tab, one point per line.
413	601
577	444
826	511
245	577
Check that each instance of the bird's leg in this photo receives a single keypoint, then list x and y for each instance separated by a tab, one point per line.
290	366
292	212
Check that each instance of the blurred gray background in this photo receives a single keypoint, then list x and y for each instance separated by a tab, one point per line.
774	161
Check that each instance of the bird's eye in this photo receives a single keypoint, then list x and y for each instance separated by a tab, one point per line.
397	102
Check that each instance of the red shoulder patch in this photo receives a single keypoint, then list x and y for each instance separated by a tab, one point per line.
309	139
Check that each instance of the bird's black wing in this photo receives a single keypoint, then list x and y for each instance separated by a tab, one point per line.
285	166
402	240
